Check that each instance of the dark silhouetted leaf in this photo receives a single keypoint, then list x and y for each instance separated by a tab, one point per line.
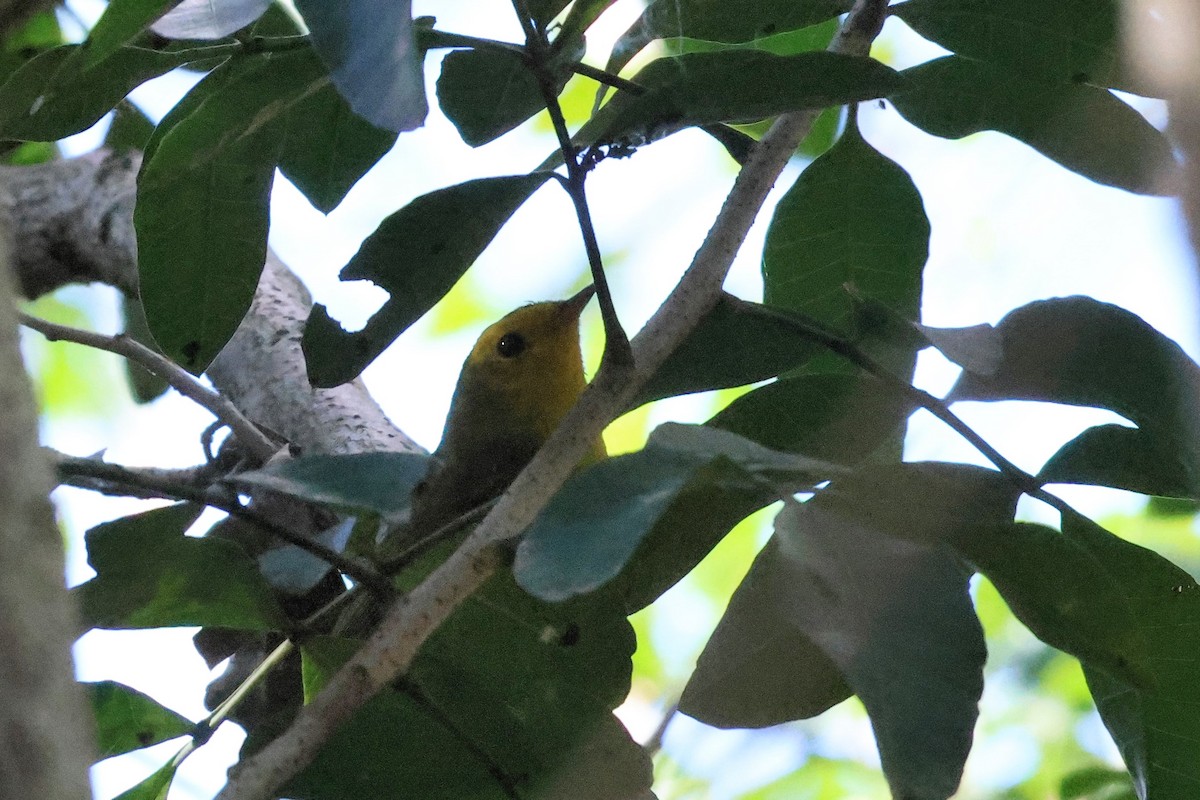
417	254
719	22
128	720
373	58
1079	351
144	385
487	93
1071	41
150	575
329	148
1085	129
736	343
1123	458
835	417
734	86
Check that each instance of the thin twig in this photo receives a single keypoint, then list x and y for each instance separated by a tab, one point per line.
397	563
815	332
85	472
616	343
256	443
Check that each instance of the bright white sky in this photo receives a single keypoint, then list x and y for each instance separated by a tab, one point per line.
1009	227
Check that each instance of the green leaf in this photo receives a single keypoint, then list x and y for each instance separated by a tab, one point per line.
734	86
861	575
202	207
759	668
670	503
1061	592
417	254
487	93
128	720
47	99
1079	351
834	417
1097	783
737	342
853	219
150	575
718	22
1085	129
121	21
375	482
373	58
153	788
1123	458
510	694
1072	41
329	148
1152	725
130	129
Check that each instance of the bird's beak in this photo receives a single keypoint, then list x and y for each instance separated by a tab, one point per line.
573	307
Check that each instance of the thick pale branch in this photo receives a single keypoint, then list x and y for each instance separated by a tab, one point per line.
411	620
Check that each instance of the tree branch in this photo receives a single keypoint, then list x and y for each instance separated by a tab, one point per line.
411	620
253	441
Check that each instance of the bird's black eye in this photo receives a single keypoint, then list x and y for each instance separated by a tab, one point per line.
511	345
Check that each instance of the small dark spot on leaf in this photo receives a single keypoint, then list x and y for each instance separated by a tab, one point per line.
768	29
190	351
570	636
437	248
1080	77
145	737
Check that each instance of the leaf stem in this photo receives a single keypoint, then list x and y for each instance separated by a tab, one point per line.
257	444
71	469
617	351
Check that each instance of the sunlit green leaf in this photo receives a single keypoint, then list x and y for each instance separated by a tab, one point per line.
1085	129
153	788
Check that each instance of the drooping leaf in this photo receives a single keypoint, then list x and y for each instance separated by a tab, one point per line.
1061	592
128	720
150	575
373	58
378	483
718	22
329	148
1123	458
669	503
487	93
1158	738
121	21
209	19
734	86
759	668
862	573
417	254
510	694
852	219
737	342
1079	351
1085	129
202	208
1074	41
48	99
835	417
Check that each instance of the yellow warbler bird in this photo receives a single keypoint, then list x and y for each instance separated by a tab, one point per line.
522	377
